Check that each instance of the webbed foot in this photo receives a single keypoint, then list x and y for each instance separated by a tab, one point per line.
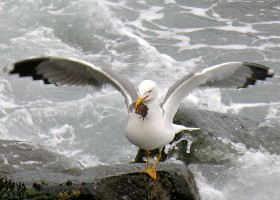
151	172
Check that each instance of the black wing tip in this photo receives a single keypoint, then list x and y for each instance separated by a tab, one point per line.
259	73
260	70
26	68
21	67
30	68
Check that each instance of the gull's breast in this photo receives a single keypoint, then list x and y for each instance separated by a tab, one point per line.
148	133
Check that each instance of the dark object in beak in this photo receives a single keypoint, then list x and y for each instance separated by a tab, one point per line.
141	109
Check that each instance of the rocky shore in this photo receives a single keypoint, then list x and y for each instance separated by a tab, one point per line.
175	181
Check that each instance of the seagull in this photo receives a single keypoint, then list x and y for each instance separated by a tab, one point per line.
150	124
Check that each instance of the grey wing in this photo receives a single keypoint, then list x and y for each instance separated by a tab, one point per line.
226	75
68	71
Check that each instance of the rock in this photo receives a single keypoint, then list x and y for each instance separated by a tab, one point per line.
170	185
19	156
221	138
174	182
35	173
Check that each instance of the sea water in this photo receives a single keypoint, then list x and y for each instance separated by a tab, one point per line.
142	39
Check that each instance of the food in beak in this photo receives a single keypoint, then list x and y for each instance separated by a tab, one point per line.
141	109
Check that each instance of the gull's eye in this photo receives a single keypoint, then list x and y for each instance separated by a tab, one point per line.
150	91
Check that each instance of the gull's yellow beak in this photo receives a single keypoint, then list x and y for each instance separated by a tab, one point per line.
139	101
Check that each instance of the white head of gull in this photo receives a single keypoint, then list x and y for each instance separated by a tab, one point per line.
150	125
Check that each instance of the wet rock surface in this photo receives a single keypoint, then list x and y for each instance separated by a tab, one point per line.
17	156
221	138
31	172
174	181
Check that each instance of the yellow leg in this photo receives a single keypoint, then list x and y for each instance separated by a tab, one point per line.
147	154
152	171
157	160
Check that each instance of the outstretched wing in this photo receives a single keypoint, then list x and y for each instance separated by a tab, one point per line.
68	71
226	75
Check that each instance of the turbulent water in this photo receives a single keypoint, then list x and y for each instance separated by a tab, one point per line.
142	39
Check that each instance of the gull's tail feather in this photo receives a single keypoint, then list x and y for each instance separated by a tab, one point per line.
179	128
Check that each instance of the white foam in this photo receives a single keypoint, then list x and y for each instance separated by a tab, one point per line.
64	134
146	15
5	100
41	41
206	190
208	99
88	126
151	14
257	169
88	160
30	162
169	2
201	12
248	28
211	99
15	124
3	156
242	179
273	116
209	193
